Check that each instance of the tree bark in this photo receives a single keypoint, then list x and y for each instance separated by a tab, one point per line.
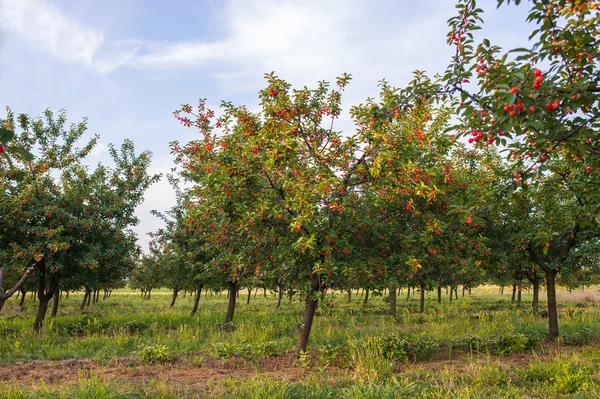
175	292
309	315
439	293
514	293
422	304
519	290
392	299
279	296
349	295
55	303
249	293
366	296
44	294
23	292
552	309
4	296
536	293
456	292
85	298
233	291
196	300
408	294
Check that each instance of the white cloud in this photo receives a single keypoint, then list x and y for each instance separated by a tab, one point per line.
42	23
50	29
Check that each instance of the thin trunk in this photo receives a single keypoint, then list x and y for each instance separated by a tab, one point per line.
366	296
450	293
408	294
249	293
175	292
309	315
149	292
55	304
196	300
422	305
514	294
519	290
469	290
439	292
349	295
265	292
23	292
552	310
279	296
392	298
501	290
85	298
89	298
456	292
44	294
233	292
463	292
536	293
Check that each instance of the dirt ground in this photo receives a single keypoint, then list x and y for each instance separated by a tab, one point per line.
193	371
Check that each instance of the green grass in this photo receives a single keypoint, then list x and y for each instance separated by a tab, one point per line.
360	340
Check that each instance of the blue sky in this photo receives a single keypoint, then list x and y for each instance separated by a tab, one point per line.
128	64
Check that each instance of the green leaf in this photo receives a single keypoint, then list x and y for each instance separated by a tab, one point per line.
23	153
6	135
545	250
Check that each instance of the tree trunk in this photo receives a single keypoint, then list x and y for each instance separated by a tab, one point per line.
422	304
149	292
408	294
89	298
249	293
552	309
536	293
265	292
349	295
519	290
4	296
85	298
450	293
501	290
196	300
439	292
463	292
55	304
514	293
279	296
175	292
233	291
23	292
44	294
366	296
392	298
41	313
309	315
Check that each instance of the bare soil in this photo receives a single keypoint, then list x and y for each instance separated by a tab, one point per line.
194	371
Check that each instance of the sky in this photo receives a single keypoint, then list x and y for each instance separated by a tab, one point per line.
126	65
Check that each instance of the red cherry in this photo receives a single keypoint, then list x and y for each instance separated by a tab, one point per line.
513	90
512	114
508	108
536	85
1	149
532	108
547	245
550	107
538	72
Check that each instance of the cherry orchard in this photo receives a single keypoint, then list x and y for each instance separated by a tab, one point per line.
542	106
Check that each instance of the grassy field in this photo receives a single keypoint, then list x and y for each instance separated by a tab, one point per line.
479	346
